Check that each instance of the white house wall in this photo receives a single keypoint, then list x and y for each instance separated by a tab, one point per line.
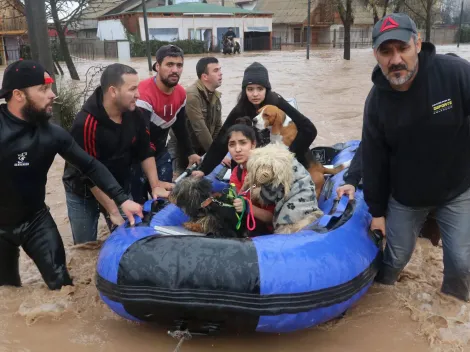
184	24
111	30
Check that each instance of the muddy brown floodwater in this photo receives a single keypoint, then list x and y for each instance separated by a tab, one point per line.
411	316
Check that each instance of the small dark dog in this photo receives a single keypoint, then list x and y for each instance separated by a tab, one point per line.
209	213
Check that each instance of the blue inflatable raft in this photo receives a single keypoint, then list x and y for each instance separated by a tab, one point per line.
158	272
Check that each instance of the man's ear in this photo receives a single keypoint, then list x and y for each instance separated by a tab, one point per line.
419	42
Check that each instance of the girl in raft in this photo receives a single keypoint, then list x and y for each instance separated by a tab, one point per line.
241	140
256	93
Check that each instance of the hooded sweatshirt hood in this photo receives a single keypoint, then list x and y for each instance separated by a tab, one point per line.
94	106
425	59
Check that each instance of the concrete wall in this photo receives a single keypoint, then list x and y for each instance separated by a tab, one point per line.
184	24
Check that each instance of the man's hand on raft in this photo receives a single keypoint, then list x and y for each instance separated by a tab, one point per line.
194	159
378	224
131	208
197	173
347	189
162	189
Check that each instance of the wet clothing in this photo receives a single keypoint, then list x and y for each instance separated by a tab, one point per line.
300	146
84	213
40	239
415	148
203	121
26	153
403	225
116	145
416	143
113	144
163	111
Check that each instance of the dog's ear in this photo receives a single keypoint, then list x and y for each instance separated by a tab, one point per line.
280	115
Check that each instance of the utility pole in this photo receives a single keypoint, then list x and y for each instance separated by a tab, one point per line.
460	26
308	30
146	25
39	41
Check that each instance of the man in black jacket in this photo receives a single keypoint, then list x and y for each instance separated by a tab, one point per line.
111	129
415	148
28	146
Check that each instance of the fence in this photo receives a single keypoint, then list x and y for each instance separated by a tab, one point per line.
360	37
92	49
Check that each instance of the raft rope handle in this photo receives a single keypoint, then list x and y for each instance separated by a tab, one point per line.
181	336
250	216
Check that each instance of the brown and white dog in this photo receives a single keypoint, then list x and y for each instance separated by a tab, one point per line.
284	130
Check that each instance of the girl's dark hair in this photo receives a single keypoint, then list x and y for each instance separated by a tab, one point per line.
243	125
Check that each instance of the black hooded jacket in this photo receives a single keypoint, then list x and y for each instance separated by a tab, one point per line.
416	144
115	145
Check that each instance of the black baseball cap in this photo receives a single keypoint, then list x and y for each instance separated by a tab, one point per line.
23	74
167	50
396	26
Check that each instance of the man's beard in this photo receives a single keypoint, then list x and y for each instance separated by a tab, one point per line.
398	81
34	115
166	82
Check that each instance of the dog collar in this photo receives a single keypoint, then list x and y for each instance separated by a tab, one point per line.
211	200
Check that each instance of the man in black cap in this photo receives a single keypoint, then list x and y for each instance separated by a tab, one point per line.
28	146
162	101
415	150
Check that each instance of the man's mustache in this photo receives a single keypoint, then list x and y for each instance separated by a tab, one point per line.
400	67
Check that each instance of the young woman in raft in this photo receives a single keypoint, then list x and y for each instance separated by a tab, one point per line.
241	140
256	93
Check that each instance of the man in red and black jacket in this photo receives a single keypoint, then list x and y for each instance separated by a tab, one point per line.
162	102
112	130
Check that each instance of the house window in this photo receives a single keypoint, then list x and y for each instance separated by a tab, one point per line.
296	35
197	34
163	34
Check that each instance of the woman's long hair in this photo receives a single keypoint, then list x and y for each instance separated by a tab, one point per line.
248	109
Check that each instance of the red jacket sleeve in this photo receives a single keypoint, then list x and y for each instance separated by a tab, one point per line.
234	179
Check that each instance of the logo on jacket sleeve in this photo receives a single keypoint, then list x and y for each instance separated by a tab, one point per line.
21	159
442	106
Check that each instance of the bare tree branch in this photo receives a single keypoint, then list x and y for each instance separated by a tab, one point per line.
414	12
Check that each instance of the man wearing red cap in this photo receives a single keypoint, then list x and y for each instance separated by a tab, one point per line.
415	150
28	146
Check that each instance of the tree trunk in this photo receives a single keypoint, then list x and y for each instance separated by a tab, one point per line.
347	41
429	4
375	13
62	42
385	8
347	30
398	6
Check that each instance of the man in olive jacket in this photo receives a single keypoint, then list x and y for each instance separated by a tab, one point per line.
203	112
